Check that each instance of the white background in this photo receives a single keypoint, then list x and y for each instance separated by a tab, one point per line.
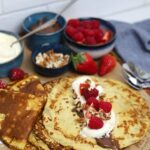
13	12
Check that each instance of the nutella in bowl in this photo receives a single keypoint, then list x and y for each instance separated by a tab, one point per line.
49	29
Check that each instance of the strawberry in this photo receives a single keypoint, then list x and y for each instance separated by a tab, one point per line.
90	93
107	64
90	40
95	123
2	84
106	37
95	24
84	63
98	35
70	31
106	106
79	37
83	86
93	101
86	24
74	22
88	32
16	74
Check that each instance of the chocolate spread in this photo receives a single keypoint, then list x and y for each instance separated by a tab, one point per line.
51	29
79	112
108	142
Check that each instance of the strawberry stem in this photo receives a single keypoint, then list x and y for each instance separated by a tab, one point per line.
77	59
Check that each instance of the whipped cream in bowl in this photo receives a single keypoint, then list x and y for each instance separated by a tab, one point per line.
10	56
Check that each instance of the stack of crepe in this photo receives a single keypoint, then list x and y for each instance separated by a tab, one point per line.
20	106
58	127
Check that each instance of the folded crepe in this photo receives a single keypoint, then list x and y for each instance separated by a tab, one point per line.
21	104
63	126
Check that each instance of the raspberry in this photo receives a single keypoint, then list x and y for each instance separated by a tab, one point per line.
2	84
70	31
95	123
94	101
90	93
16	74
79	37
74	22
90	40
83	86
106	106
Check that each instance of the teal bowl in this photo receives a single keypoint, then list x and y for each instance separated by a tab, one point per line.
13	63
40	40
51	72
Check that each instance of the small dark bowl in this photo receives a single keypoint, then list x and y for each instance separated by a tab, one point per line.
39	40
51	72
95	51
13	63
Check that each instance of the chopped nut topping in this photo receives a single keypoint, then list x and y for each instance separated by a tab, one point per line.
50	59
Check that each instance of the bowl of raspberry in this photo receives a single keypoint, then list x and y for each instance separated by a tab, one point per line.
92	35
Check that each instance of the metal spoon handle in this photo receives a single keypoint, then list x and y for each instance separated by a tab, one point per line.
146	85
45	25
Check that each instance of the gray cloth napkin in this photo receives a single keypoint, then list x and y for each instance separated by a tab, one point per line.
133	43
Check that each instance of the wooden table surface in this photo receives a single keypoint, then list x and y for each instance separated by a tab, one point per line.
115	74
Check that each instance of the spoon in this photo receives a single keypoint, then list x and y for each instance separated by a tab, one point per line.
45	25
138	72
134	82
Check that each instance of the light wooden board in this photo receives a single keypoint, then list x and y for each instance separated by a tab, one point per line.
115	74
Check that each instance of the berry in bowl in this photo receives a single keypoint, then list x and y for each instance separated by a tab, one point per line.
92	35
10	56
52	60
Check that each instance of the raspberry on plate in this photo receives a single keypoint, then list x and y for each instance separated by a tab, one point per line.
95	123
16	74
83	86
106	106
90	93
93	101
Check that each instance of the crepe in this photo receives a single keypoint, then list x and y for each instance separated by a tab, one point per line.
32	89
18	113
63	126
39	137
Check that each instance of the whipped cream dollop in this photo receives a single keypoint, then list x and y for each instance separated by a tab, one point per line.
104	131
108	124
8	52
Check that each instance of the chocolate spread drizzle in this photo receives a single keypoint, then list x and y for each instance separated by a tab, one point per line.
79	112
108	142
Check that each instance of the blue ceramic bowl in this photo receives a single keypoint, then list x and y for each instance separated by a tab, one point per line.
98	50
38	40
13	63
58	48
